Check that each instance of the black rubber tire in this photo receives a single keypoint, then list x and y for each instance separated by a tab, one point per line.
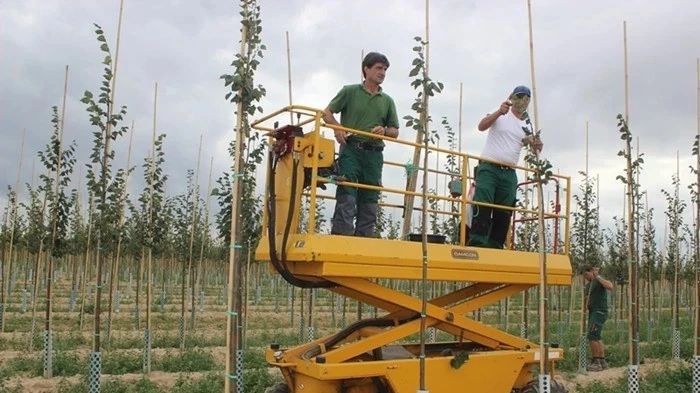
279	388
533	387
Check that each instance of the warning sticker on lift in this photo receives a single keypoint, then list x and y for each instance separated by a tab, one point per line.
461	253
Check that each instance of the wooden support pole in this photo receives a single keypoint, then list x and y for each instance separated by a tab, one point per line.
696	344
48	373
234	310
96	346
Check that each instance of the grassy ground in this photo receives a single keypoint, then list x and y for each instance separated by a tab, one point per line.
200	367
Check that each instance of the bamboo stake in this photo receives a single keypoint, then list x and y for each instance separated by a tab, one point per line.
12	213
115	264
35	293
412	178
76	264
647	229
48	370
190	271
26	276
696	345
627	111
149	257
289	77
584	298
676	256
543	303
139	280
525	322
96	346
459	126
83	280
532	67
633	271
424	225
465	179
205	233
37	266
233	338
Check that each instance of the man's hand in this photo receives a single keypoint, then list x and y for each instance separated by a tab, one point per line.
379	130
505	107
533	141
341	136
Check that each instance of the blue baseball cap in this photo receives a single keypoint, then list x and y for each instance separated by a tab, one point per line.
522	90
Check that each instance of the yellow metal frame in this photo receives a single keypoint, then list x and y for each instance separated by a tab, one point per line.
361	357
314	115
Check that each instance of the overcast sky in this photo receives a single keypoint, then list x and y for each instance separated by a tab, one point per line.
186	45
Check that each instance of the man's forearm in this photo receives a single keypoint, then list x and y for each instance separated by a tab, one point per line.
488	121
605	283
329	118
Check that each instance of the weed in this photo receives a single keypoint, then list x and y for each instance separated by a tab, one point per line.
121	363
210	382
66	364
31	366
190	360
143	385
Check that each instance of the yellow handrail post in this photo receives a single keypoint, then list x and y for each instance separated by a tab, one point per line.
314	174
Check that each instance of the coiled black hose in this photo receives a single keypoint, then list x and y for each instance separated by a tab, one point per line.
280	265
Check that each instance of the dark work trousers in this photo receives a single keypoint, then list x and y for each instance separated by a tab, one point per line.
495	184
356	209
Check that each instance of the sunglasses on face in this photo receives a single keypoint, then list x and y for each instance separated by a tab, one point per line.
521	95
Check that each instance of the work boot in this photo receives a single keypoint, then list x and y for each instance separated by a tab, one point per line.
604	363
595	366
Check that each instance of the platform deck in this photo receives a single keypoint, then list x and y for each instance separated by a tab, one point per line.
326	256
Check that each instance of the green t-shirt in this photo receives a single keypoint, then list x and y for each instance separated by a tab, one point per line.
361	110
597	296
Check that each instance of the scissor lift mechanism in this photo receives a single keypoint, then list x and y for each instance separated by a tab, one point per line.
377	355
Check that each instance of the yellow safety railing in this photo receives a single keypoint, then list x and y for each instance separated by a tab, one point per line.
314	117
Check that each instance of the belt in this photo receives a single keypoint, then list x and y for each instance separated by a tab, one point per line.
502	167
365	145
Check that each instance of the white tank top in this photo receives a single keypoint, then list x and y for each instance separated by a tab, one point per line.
505	139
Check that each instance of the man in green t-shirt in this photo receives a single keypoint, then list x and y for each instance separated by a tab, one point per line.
597	300
364	107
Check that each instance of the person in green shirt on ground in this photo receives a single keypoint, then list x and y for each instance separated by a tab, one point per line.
597	300
364	107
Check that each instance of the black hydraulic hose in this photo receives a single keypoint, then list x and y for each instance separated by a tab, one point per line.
278	264
290	215
343	334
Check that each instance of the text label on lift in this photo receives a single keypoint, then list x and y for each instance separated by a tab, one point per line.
460	253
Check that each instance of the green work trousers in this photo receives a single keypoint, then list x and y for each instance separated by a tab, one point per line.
356	209
495	184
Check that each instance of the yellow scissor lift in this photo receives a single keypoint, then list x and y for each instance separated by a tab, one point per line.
379	355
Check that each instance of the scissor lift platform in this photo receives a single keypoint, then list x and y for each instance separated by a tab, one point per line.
371	355
380	355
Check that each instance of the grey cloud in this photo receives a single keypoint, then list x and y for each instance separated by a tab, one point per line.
186	45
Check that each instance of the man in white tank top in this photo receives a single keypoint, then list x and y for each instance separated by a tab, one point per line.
496	181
